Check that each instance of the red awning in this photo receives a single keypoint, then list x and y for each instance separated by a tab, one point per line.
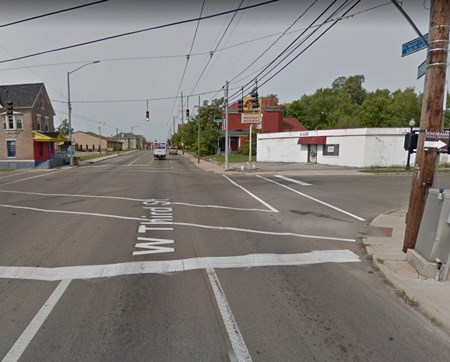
312	140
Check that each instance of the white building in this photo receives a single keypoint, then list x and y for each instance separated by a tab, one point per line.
358	147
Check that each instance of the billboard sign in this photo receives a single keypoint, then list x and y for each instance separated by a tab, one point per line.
251	115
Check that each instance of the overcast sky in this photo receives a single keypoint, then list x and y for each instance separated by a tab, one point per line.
150	65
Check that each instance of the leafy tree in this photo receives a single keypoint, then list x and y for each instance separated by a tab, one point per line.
209	131
63	127
346	104
351	87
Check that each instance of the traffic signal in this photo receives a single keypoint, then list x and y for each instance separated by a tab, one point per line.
9	108
147	116
187	113
410	143
255	99
241	105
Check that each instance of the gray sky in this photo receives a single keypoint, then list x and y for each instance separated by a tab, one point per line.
150	65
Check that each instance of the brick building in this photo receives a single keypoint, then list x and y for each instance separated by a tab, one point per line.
27	136
272	121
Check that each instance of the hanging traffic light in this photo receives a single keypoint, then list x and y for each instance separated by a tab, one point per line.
241	105
9	108
187	114
147	116
255	99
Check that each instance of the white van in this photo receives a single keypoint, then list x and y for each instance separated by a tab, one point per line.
159	150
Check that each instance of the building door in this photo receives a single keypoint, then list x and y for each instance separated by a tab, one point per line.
312	153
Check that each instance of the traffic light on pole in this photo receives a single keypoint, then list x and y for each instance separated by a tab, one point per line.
241	105
9	108
255	99
147	116
187	114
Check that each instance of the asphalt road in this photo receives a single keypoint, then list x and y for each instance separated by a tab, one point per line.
134	259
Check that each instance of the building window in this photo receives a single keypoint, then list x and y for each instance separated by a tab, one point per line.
19	121
46	124
12	122
11	148
38	122
331	150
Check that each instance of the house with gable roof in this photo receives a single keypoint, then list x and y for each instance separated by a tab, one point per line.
27	136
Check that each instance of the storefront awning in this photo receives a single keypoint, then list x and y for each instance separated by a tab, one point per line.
48	137
312	140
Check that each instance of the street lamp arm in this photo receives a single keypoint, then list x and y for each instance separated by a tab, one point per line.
84	65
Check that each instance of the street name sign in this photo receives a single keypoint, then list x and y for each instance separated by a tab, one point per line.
422	69
437	140
414	46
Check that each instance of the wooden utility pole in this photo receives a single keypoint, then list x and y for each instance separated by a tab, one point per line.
431	118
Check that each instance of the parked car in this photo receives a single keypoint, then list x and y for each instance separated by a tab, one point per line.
173	151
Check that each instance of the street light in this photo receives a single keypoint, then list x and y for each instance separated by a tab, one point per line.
70	106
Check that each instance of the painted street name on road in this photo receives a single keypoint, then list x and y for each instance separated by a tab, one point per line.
160	219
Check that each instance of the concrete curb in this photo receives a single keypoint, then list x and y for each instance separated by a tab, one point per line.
428	296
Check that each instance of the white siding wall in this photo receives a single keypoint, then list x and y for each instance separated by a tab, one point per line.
361	147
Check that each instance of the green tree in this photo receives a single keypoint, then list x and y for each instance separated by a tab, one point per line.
209	131
63	127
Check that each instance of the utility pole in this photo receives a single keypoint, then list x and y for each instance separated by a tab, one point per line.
174	130
198	131
100	140
226	126
431	118
117	139
182	124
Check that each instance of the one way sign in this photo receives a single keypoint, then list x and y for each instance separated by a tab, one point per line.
437	140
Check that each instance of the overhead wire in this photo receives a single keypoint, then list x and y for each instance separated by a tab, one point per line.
168	56
336	19
137	31
51	13
217	46
188	57
273	43
315	40
276	40
288	49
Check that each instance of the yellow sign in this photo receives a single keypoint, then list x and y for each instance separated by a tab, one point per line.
251	115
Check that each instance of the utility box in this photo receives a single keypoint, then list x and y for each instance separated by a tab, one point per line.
433	240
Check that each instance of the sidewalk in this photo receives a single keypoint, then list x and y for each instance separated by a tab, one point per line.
383	242
264	168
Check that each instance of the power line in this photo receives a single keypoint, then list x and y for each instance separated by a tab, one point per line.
212	52
137	32
286	49
169	56
323	33
273	43
188	57
141	100
52	13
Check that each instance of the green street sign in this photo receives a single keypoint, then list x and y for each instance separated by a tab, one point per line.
217	120
422	69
